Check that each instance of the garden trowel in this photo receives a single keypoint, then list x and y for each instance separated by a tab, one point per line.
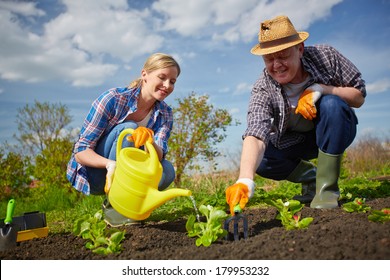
9	231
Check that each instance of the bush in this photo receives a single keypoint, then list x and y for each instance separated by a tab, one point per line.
15	175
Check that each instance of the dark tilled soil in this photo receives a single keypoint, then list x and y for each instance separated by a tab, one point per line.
334	234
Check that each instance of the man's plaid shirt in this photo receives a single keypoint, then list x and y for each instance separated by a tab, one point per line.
269	107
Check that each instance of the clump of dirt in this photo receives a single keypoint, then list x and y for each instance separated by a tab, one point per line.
333	235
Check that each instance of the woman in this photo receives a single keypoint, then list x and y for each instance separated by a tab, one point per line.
139	106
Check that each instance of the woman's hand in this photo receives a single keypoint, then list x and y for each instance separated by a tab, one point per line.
140	136
110	166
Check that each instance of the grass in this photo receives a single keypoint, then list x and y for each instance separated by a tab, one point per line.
367	160
369	157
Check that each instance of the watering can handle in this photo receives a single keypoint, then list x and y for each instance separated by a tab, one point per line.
120	139
148	146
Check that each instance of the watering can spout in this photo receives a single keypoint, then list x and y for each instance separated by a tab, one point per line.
156	198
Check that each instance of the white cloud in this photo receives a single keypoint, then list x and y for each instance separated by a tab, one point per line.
107	28
379	86
242	88
374	131
239	19
197	18
22	8
76	45
313	10
185	17
224	90
234	111
87	43
90	74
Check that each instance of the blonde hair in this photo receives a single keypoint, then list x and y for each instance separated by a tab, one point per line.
155	62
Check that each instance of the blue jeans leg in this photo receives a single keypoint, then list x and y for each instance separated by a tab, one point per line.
335	129
277	164
168	175
335	125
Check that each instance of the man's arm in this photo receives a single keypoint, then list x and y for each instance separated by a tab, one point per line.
351	95
240	192
251	156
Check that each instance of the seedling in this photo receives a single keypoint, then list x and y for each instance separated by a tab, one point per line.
357	205
289	214
101	240
209	231
380	216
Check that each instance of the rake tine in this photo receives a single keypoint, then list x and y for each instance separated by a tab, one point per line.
226	226
235	226
236	219
245	227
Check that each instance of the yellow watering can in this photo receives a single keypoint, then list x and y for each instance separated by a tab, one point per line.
134	191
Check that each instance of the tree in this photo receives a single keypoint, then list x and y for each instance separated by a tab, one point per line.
15	174
51	164
40	124
198	128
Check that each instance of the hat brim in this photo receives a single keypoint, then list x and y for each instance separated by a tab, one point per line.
257	50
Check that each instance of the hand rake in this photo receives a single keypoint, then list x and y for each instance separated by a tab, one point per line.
238	216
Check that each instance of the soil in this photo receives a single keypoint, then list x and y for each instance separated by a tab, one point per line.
333	235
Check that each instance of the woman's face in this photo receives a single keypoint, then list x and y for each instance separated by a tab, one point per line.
159	83
284	66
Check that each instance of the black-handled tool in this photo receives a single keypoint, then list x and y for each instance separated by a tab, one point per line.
238	216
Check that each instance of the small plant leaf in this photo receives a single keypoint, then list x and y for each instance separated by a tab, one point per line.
305	222
100	239
380	216
190	223
357	205
209	231
288	214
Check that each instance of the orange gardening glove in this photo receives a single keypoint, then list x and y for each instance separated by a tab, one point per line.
306	103
237	194
140	136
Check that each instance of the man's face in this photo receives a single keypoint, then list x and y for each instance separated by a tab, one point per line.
285	66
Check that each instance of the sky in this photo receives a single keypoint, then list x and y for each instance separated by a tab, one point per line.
70	51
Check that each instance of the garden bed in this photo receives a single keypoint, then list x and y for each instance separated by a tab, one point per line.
333	235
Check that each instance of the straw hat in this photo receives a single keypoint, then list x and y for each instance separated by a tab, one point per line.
277	34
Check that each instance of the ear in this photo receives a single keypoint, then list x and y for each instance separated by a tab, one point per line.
301	48
144	74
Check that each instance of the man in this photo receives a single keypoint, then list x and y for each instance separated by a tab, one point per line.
300	109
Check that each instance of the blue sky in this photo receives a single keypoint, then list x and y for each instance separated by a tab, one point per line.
70	51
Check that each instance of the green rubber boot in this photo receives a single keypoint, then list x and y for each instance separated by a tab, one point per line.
327	189
304	173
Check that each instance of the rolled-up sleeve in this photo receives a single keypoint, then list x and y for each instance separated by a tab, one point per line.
259	117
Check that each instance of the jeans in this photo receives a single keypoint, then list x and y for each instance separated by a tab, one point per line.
334	130
106	147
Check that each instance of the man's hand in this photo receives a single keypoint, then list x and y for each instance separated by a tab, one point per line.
140	136
110	166
239	194
306	103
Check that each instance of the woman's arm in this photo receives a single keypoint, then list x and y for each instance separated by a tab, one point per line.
90	158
